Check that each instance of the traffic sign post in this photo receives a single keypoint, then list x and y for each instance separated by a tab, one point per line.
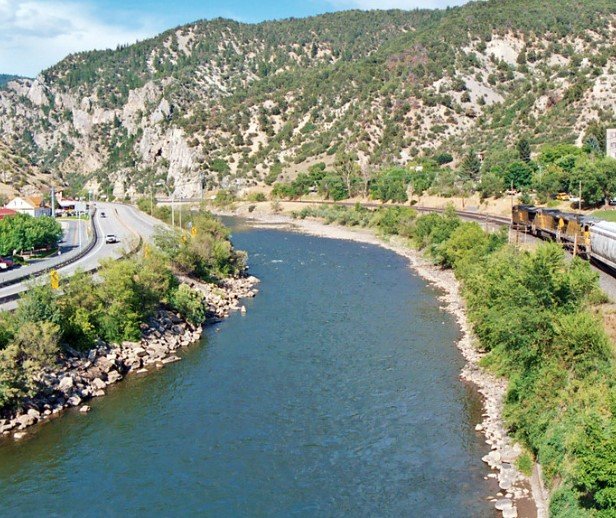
54	277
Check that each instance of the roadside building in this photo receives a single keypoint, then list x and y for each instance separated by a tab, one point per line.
30	205
6	213
70	207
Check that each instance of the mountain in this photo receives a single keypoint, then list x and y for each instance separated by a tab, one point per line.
231	102
5	78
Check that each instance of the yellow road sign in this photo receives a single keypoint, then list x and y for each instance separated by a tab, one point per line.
54	277
193	231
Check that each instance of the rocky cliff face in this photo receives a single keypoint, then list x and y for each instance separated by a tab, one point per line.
228	102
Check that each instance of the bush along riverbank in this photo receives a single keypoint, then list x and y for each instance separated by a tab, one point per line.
535	321
57	350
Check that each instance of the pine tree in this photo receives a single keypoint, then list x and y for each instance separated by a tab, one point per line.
523	147
471	165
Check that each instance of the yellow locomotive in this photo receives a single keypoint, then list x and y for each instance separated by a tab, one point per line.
574	231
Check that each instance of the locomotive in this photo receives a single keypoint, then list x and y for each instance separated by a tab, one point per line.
588	237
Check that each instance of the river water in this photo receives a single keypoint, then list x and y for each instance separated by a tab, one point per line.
337	394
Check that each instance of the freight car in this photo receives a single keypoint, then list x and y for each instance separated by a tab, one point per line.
603	243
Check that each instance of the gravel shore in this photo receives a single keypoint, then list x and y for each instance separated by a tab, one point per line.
518	494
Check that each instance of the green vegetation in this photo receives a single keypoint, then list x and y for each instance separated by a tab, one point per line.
607	215
535	315
557	168
205	252
22	232
387	86
47	323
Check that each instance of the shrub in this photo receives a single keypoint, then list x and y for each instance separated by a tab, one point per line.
189	303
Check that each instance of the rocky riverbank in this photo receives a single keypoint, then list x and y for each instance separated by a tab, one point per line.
517	494
80	377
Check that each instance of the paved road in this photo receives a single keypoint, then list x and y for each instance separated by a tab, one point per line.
69	247
126	222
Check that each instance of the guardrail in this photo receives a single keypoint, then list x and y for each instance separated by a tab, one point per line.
90	246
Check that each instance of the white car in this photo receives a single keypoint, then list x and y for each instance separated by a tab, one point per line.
111	238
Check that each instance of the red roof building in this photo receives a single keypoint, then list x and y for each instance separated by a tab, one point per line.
6	212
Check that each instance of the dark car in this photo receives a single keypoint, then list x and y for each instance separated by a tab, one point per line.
6	264
103	215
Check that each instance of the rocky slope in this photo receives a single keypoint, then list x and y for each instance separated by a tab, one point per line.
224	103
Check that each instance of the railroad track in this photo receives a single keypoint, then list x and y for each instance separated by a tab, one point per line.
475	216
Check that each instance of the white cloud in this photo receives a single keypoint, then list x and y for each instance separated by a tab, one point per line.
396	4
35	34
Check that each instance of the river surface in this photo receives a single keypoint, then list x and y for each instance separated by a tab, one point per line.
337	394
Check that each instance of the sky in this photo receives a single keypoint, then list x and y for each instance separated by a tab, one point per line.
35	34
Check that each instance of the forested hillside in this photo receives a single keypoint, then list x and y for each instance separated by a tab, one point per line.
237	103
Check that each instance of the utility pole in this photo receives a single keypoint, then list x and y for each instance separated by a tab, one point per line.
201	180
180	213
53	201
172	210
580	196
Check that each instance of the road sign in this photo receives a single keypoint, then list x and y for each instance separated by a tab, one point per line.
146	251
55	279
193	231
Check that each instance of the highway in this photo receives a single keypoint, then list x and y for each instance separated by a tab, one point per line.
126	222
69	247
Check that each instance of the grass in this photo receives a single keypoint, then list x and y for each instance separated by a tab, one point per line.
607	215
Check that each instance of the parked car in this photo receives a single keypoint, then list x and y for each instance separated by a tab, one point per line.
111	238
103	215
6	264
563	196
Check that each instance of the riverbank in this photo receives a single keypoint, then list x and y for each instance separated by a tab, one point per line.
518	495
78	378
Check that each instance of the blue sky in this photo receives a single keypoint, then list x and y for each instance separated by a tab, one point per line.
35	34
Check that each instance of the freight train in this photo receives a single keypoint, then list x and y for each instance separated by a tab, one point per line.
585	236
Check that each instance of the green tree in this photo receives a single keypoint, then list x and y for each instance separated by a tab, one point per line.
519	174
391	184
470	166
524	151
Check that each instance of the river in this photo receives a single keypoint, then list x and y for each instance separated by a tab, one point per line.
337	394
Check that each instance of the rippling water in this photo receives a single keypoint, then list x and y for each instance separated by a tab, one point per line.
337	394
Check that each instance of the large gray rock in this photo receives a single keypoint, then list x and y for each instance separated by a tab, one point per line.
105	364
98	384
66	384
113	376
33	412
503	504
25	420
140	352
73	401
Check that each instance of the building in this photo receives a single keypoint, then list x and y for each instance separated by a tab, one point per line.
5	213
71	207
30	205
610	142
